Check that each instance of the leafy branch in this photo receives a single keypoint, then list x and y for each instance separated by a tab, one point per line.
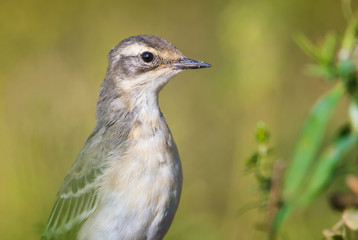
310	170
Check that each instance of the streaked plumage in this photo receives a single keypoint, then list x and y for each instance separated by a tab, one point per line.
126	181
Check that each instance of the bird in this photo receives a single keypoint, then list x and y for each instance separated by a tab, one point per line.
126	181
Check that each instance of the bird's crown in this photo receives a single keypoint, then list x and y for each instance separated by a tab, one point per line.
135	45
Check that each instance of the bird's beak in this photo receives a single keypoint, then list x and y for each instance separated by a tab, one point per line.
186	63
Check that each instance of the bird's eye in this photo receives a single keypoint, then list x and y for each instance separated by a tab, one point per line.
147	57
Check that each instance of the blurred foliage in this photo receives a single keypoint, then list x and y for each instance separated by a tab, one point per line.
53	59
260	162
309	141
312	169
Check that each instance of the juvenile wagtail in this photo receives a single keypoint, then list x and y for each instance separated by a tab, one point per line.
126	182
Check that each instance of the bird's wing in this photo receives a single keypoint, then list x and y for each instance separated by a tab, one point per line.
77	198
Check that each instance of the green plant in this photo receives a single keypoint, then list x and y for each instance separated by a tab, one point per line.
310	169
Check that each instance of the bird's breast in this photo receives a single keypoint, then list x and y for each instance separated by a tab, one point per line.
142	186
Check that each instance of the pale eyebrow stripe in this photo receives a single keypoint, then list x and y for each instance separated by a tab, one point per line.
135	49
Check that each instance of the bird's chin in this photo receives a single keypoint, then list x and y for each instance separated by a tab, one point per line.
161	81
151	81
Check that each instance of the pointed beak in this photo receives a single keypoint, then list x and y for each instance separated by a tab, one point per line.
186	63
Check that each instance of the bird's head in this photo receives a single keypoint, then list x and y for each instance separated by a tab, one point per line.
146	63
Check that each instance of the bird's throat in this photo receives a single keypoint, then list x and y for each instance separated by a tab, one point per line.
146	108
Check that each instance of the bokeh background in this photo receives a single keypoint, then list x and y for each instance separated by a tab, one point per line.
53	57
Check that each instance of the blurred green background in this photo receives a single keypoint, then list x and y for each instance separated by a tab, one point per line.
53	57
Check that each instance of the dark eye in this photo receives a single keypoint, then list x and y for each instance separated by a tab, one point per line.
147	57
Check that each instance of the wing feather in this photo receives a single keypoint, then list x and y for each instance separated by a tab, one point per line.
77	198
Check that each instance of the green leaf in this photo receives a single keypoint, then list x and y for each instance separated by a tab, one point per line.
353	115
309	141
280	217
348	41
323	54
321	176
327	51
252	160
347	10
347	72
307	46
325	166
346	68
324	71
262	135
